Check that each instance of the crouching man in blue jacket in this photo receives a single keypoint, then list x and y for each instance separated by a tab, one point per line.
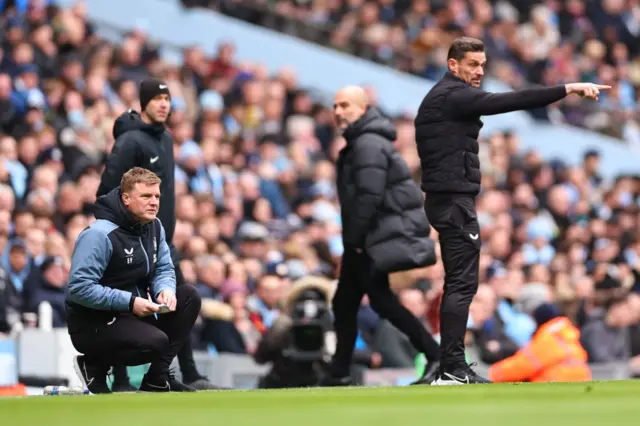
122	303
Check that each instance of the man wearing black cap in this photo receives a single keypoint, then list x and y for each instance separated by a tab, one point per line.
143	141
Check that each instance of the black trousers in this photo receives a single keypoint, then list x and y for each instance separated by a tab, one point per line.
358	277
128	340
454	217
185	354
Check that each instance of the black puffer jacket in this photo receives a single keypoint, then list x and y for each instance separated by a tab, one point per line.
448	124
143	145
10	302
447	144
382	207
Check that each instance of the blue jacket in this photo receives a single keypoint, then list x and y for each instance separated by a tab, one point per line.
115	260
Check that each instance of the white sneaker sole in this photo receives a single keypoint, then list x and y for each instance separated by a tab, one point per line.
78	369
440	382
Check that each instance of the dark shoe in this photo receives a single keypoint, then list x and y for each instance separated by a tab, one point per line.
122	387
120	379
92	377
178	386
163	383
334	381
202	383
459	375
157	385
430	374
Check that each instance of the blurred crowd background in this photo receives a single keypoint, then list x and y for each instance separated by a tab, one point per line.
255	153
529	42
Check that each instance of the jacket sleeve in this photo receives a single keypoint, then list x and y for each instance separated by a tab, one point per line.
122	158
165	275
370	166
470	101
91	256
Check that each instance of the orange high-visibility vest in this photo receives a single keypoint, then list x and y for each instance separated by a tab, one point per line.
553	355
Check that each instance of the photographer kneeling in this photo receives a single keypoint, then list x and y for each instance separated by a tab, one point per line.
299	342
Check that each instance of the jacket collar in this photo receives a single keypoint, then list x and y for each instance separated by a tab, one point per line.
450	77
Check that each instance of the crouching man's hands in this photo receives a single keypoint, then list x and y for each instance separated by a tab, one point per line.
143	307
168	298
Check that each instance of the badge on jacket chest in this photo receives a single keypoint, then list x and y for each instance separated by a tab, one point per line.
155	250
128	254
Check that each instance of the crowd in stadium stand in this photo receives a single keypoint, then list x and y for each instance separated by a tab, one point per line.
256	202
528	42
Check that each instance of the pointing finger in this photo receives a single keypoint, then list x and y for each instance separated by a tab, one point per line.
602	87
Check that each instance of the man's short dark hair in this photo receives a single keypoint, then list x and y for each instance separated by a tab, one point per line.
462	45
591	154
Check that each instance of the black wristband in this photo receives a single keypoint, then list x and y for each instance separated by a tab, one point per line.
133	298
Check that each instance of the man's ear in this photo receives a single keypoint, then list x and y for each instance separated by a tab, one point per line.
125	198
452	65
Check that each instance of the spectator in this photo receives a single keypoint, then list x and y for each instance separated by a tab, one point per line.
51	288
263	305
528	42
554	354
17	262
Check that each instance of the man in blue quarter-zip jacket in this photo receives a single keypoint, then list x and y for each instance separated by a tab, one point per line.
121	275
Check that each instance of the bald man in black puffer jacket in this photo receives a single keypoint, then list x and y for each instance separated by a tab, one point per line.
385	229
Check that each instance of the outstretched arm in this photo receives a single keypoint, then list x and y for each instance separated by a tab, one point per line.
476	102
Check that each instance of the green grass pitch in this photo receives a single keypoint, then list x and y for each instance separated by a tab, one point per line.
585	404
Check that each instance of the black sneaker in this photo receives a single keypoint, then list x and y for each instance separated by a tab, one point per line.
203	383
330	380
163	384
458	375
178	386
92	377
430	374
154	384
120	381
122	387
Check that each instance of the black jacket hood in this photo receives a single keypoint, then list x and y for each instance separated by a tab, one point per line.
371	122
131	120
110	207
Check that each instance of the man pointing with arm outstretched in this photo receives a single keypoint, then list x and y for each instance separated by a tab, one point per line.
447	127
